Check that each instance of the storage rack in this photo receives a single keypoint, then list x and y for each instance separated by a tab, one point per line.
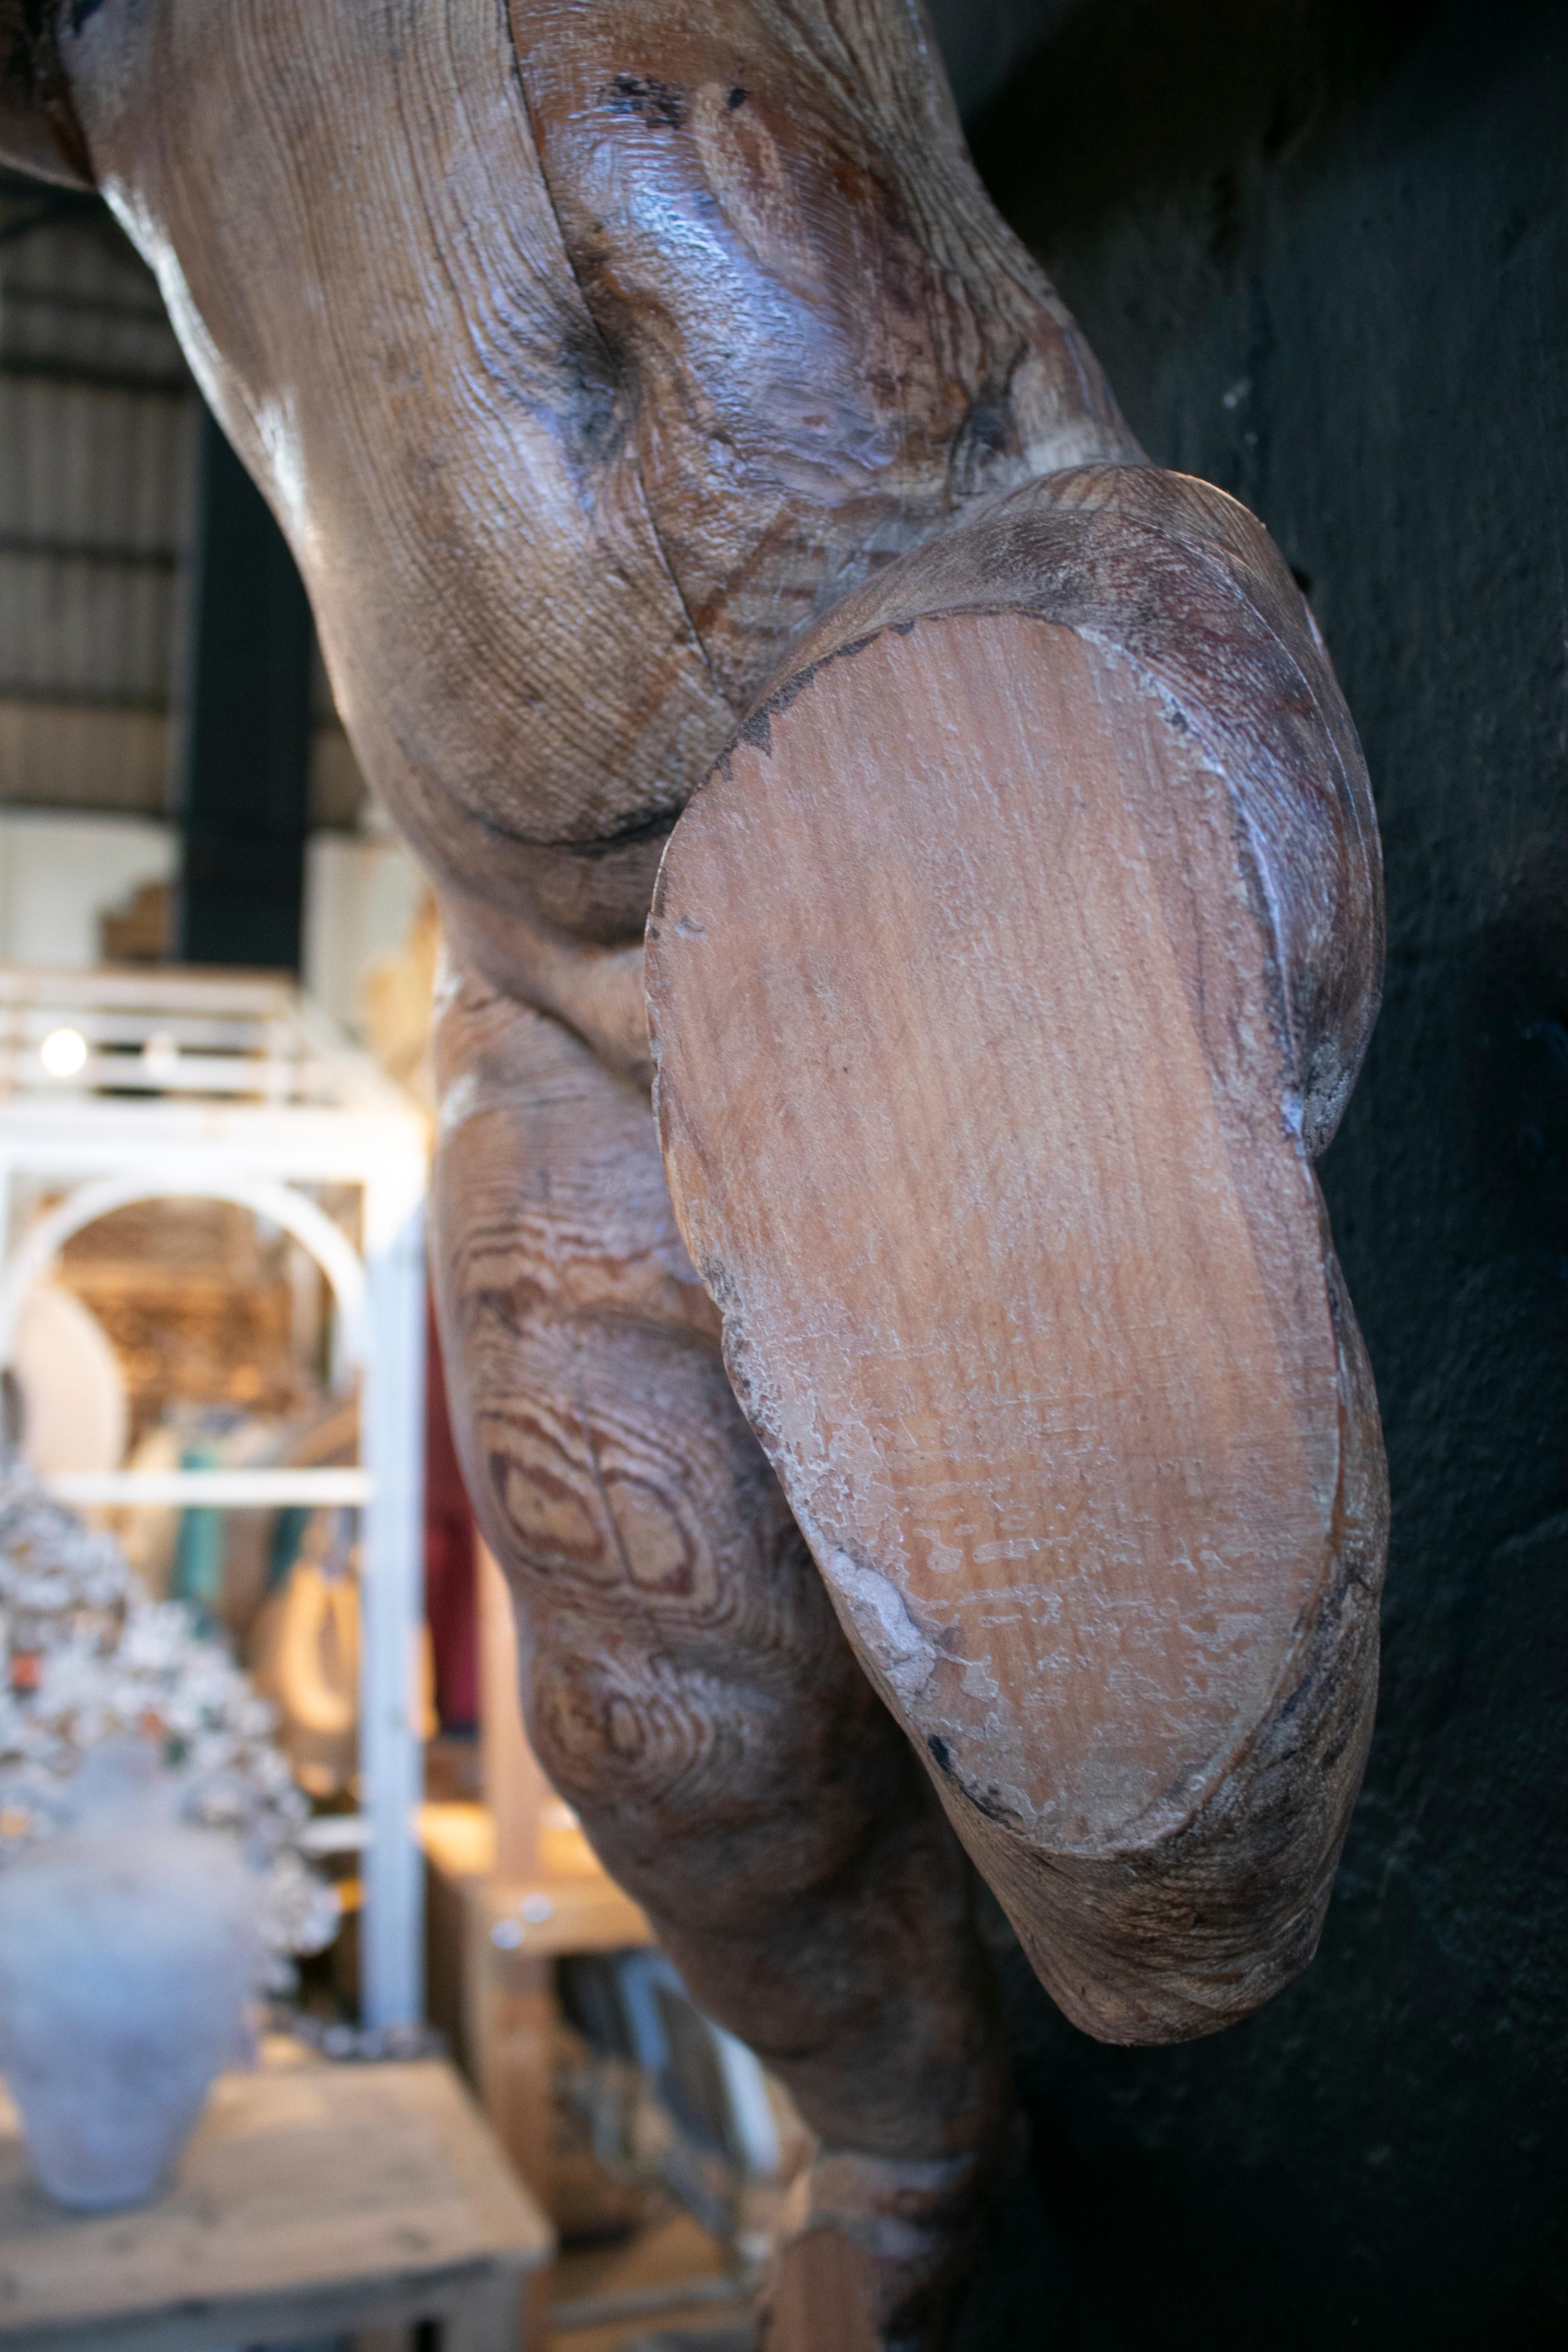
231	1087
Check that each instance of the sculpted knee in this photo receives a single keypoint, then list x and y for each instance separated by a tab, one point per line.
745	1787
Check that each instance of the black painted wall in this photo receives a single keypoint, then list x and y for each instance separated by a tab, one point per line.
1323	252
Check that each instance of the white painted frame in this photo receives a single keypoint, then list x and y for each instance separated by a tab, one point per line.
249	1094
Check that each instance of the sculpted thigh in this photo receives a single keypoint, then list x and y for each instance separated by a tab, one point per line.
681	1663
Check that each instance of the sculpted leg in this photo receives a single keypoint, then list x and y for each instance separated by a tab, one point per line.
686	1683
1005	976
604	363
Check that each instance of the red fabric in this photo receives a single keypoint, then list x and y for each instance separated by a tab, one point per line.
451	1601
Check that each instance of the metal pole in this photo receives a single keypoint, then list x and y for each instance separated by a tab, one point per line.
392	1756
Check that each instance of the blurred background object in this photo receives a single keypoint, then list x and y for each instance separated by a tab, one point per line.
219	1204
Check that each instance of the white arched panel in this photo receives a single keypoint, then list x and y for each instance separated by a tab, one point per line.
263	1195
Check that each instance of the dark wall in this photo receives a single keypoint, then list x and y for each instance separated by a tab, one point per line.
1323	252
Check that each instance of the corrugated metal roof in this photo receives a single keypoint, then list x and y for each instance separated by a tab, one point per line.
77	300
99	422
60	756
94	507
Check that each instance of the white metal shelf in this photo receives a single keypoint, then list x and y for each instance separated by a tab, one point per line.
222	1490
234	1086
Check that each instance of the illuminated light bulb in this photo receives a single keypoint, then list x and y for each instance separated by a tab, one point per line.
63	1052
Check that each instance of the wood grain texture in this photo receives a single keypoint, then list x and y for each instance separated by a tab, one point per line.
685	1683
1021	946
605	362
577	387
836	342
381	308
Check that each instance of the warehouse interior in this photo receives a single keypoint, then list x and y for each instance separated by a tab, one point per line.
1323	251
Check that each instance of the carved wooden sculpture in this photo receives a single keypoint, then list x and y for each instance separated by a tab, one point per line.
645	386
